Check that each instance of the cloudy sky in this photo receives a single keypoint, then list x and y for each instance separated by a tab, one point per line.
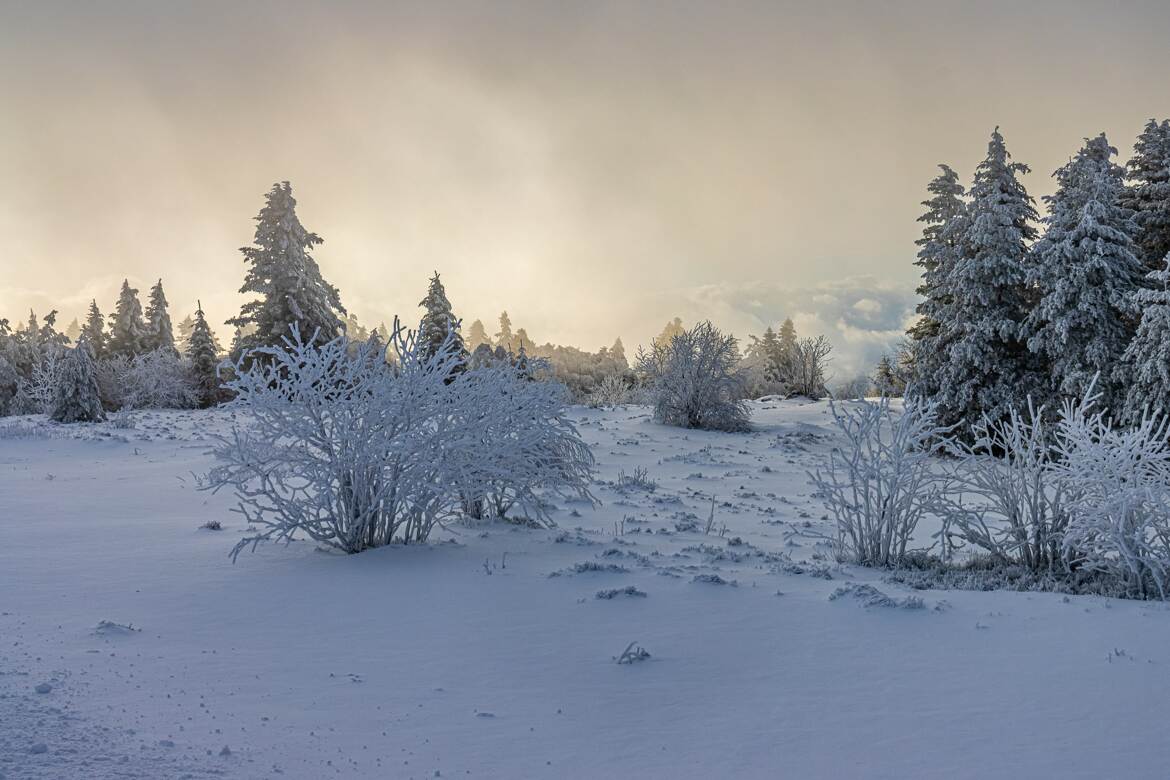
595	168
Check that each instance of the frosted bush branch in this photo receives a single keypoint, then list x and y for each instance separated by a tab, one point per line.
1020	510
1120	519
879	484
354	453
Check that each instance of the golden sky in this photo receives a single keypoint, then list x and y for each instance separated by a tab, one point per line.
595	168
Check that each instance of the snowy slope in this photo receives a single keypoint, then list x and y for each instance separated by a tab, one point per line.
466	658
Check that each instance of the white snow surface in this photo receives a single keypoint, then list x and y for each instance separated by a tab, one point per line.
417	662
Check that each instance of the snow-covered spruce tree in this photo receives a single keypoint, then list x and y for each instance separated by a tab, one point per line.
1148	193
128	333
203	354
9	386
880	483
505	338
1120	517
73	331
159	332
1144	369
476	335
439	328
1085	272
287	280
937	254
184	328
694	381
77	398
94	330
988	368
354	454
887	379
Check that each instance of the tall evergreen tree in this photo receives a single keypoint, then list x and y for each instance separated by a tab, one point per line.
185	326
439	323
128	334
987	367
1148	193
1085	273
76	397
95	330
203	352
286	277
159	332
504	337
477	335
73	332
937	254
1144	369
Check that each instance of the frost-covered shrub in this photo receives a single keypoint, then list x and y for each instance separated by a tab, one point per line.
879	484
612	390
40	389
694	381
1020	508
512	441
1120	519
159	379
804	373
354	453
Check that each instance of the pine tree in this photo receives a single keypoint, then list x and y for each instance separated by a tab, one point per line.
286	277
987	368
95	330
184	327
887	380
618	351
1085	271
203	352
477	335
937	254
73	332
159	332
128	334
1144	369
504	337
439	325
1148	194
77	398
672	329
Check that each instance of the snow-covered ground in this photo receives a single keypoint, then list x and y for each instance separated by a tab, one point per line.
488	653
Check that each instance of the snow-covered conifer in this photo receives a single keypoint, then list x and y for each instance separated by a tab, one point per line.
203	354
986	299
77	398
937	255
1085	272
95	330
128	333
286	278
159	332
1148	193
439	327
1144	370
504	337
73	332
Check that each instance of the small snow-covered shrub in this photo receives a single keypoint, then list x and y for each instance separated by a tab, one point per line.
1120	519
41	388
694	380
612	390
511	441
879	484
356	453
159	380
111	378
1020	510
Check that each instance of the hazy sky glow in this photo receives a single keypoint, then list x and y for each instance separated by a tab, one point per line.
595	168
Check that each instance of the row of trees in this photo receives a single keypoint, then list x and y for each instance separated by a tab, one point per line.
1015	306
